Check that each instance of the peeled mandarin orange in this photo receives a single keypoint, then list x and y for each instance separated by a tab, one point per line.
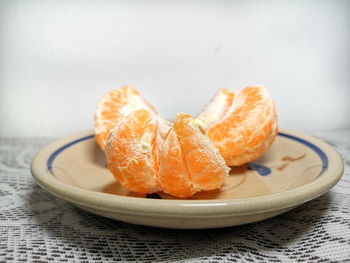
147	154
109	110
182	162
203	161
174	177
132	154
189	162
242	124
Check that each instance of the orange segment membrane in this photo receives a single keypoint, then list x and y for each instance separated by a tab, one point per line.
246	128
147	154
130	152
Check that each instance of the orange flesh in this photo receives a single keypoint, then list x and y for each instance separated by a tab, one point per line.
109	108
205	165
130	152
186	161
145	154
173	175
247	128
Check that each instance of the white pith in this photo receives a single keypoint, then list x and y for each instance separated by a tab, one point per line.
208	147
213	110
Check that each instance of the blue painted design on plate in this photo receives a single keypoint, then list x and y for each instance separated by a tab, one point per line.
264	170
261	169
59	150
318	151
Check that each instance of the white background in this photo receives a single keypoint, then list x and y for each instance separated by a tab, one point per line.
57	58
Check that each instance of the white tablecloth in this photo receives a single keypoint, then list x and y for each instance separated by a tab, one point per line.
36	226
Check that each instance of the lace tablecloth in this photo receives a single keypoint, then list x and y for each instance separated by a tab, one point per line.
36	226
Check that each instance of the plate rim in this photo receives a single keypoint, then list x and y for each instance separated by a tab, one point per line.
187	208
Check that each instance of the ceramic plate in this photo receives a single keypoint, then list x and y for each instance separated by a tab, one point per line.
296	168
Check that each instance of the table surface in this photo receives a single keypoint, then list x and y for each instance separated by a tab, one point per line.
37	226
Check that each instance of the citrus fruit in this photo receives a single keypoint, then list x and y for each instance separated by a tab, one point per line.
147	154
189	162
241	124
182	162
109	110
131	152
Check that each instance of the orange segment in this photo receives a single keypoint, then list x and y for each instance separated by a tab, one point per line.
248	156
247	128
131	152
109	110
173	176
216	109
145	154
203	161
181	162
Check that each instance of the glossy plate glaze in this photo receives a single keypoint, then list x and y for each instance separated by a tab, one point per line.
297	168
